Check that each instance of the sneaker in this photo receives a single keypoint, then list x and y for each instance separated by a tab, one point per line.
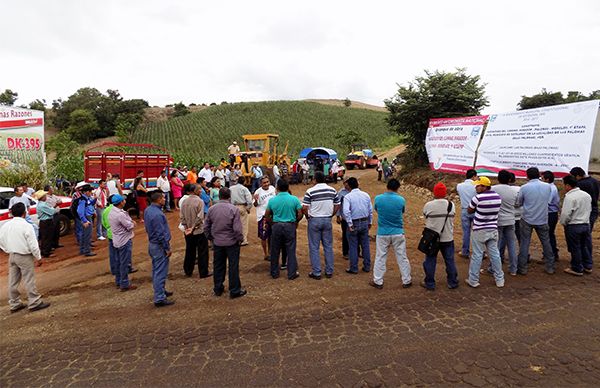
294	276
500	284
40	306
373	284
512	273
588	271
101	238
407	285
283	267
313	276
18	308
164	303
571	272
472	285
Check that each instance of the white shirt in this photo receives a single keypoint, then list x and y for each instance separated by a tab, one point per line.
264	196
18	236
233	149
221	175
182	199
163	184
24	199
466	192
276	171
206	174
577	207
111	185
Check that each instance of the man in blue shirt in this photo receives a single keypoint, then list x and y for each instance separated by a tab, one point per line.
466	192
390	209
534	196
159	248
358	213
85	212
553	207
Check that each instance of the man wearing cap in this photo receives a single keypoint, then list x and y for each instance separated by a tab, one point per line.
390	207
233	149
121	226
17	238
45	215
575	217
85	212
441	220
486	206
466	191
534	197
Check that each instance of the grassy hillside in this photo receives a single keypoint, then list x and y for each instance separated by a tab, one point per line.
205	135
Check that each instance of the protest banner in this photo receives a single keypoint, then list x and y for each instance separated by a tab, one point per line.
451	143
21	136
554	138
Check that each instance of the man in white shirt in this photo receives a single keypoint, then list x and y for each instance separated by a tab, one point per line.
319	205
575	217
506	220
163	184
220	173
262	196
233	150
466	192
206	173
18	239
113	185
276	173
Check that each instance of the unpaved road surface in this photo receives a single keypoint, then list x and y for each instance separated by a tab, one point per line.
539	330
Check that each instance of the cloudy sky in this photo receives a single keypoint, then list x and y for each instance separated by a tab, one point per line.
167	51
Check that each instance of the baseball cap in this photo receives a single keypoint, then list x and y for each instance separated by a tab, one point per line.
116	199
483	181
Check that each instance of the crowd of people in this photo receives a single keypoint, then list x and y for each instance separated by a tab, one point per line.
497	221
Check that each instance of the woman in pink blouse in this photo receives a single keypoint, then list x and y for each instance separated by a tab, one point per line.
176	188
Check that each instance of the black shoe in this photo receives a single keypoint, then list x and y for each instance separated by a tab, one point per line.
239	294
218	293
407	285
206	276
373	284
328	275
367	270
19	308
275	276
164	303
313	276
294	276
133	270
351	272
168	293
40	306
424	285
90	254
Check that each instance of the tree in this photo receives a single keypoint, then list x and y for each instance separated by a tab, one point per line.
545	98
8	97
82	125
180	109
38	105
349	137
65	157
347	102
436	95
125	126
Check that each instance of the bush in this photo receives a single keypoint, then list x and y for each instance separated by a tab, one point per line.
30	172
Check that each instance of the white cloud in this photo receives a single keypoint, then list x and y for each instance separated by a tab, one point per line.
167	51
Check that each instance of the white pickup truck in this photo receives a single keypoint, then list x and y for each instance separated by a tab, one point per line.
6	193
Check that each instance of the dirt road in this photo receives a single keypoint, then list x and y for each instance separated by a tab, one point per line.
538	330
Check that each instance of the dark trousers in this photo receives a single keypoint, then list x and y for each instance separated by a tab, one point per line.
593	218
220	257
196	251
85	244
56	230
447	250
46	237
578	238
552	221
283	236
356	239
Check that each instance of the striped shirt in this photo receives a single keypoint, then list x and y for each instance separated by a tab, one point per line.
320	200
487	206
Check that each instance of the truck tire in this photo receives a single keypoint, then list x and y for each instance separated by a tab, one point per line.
64	224
350	166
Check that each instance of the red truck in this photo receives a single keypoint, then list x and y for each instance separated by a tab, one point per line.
98	163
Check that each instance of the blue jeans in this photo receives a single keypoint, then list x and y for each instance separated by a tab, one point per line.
160	270
486	239
113	261
508	239
255	184
220	257
544	236
167	200
447	250
124	262
320	230
578	238
85	244
100	230
466	221
78	230
359	236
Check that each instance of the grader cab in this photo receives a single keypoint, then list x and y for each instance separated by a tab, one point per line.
263	149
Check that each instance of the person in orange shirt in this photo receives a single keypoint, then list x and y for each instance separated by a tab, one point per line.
192	175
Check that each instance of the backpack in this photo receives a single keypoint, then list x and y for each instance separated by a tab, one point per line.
74	206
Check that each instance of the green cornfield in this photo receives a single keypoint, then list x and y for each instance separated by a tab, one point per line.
205	135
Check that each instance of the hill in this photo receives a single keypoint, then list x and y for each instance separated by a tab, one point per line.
205	134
